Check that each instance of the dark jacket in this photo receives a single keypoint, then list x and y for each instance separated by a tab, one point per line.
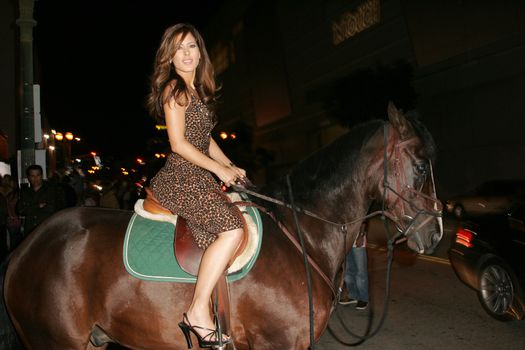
36	206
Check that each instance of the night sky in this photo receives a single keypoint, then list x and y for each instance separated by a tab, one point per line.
93	61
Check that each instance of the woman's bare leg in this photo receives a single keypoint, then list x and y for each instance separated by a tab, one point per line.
212	266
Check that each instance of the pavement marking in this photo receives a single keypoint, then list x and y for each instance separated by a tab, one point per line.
429	258
434	259
375	246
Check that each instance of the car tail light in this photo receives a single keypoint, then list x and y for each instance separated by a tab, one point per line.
464	237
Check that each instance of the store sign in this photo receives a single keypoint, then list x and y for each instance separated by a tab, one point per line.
352	22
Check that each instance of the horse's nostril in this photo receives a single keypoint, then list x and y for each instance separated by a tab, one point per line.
415	243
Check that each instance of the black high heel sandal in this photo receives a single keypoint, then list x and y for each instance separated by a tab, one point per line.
186	328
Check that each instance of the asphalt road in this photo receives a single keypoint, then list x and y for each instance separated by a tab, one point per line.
429	308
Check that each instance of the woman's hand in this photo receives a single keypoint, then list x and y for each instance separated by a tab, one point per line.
228	175
241	173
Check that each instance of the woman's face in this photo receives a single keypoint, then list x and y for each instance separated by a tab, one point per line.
187	54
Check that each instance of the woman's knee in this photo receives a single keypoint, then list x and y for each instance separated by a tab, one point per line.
235	235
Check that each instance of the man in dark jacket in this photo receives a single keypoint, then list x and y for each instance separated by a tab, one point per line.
38	201
3	226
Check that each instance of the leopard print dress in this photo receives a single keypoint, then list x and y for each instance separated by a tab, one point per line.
191	191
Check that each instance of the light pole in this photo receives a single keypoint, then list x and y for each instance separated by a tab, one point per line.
69	138
49	146
64	145
27	127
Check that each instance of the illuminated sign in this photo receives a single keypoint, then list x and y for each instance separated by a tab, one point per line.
352	22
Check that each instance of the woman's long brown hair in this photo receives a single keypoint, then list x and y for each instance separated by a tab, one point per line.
164	73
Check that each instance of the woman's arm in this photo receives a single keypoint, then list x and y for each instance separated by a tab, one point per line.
175	123
217	154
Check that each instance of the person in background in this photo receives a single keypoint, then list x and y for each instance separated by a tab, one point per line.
124	195
78	184
92	194
356	272
38	201
9	189
3	226
64	182
91	199
108	199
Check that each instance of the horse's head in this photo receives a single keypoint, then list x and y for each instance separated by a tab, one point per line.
408	182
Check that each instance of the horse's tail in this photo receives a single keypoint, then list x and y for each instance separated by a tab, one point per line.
8	337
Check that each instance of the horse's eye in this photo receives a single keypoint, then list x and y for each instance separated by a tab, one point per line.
421	168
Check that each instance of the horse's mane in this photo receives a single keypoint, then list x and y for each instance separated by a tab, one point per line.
429	146
334	165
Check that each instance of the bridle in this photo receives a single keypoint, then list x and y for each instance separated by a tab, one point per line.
402	191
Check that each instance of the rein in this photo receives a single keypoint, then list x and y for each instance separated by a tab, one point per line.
384	212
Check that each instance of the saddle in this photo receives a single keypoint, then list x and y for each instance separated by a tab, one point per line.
187	253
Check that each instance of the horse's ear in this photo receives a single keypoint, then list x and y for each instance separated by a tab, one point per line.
398	121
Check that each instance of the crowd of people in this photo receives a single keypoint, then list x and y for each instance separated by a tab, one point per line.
22	208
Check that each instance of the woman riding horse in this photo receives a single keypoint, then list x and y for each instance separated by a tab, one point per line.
67	281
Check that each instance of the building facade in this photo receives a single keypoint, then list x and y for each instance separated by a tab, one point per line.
8	82
298	73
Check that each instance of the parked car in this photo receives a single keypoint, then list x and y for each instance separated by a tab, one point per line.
488	255
495	197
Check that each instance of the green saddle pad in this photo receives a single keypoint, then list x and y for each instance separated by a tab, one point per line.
148	250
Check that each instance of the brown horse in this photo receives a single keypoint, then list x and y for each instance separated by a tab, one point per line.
68	277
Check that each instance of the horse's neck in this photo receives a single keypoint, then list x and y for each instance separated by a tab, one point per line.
338	190
332	241
329	236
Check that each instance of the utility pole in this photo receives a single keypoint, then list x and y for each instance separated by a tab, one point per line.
27	125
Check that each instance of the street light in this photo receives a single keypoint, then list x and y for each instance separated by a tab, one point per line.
67	137
59	146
